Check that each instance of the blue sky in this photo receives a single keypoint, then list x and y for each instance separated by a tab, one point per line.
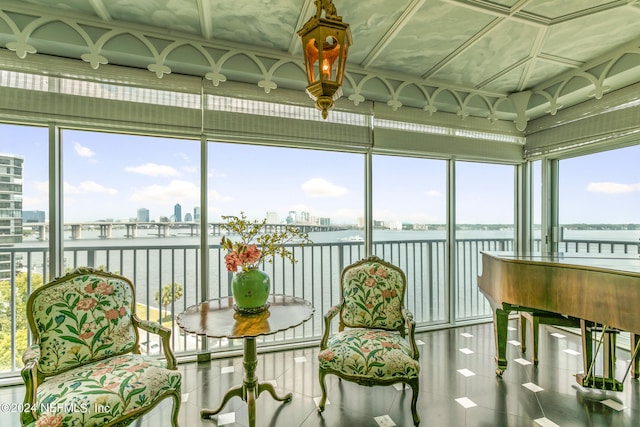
111	176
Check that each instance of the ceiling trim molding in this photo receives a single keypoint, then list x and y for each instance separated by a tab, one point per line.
218	62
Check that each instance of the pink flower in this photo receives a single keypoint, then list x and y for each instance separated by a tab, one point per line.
102	371
326	355
370	282
86	335
232	261
86	304
112	314
139	367
123	310
49	420
386	293
382	272
104	288
251	254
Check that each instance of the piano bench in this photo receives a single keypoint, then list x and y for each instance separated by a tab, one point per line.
537	319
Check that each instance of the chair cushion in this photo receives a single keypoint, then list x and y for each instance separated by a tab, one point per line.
96	393
367	353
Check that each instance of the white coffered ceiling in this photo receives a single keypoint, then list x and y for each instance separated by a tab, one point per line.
502	59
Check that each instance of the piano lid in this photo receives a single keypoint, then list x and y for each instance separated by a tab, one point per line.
624	263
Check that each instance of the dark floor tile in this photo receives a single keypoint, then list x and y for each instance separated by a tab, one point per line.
497	401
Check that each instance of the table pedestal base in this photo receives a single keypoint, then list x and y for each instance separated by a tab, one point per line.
250	388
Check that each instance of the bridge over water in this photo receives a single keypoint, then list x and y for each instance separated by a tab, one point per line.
163	229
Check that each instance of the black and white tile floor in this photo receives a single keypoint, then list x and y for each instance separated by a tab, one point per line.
458	388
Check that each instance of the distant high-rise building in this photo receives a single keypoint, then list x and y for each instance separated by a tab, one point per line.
188	217
177	212
272	217
196	213
143	215
11	208
32	216
11	196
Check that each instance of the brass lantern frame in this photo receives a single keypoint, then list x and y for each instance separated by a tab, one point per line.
325	61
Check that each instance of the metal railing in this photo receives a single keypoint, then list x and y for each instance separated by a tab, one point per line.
315	277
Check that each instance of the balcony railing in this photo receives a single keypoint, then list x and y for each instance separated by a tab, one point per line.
315	277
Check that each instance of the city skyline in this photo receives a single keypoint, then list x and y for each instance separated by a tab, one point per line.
112	175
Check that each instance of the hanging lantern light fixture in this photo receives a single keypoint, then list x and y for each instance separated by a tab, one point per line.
325	42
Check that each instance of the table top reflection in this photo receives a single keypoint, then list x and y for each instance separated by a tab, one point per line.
216	318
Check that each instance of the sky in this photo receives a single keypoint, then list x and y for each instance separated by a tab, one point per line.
111	176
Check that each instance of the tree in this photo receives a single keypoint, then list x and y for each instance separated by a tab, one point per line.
169	293
20	302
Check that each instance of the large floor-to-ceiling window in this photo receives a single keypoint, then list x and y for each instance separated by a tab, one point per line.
484	220
409	228
599	202
320	191
128	206
24	203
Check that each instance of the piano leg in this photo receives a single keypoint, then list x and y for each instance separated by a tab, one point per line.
500	323
635	361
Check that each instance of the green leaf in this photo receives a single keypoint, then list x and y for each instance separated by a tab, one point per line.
74	339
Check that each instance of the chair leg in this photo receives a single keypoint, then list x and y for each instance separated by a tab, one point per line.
323	388
175	410
415	386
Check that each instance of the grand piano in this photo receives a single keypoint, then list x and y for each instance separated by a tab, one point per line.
599	293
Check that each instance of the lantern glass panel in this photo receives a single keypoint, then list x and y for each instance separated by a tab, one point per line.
312	56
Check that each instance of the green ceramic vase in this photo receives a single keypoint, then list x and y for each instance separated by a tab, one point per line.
251	290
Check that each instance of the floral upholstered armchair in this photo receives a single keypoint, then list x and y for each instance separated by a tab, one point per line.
370	347
85	367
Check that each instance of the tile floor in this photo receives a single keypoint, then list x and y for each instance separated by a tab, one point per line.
458	388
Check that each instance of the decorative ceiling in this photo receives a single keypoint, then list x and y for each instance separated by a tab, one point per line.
511	60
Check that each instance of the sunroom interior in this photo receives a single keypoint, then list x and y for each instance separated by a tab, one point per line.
464	126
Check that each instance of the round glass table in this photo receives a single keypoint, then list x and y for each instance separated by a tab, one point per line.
217	318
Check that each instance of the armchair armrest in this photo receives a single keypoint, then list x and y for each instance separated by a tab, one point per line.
411	328
331	313
165	336
30	359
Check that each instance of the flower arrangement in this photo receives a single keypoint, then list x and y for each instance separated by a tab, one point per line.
254	247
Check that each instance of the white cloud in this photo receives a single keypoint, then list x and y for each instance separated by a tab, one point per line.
318	187
300	207
153	169
177	191
433	193
191	169
217	197
83	151
88	187
346	216
215	173
612	187
183	156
